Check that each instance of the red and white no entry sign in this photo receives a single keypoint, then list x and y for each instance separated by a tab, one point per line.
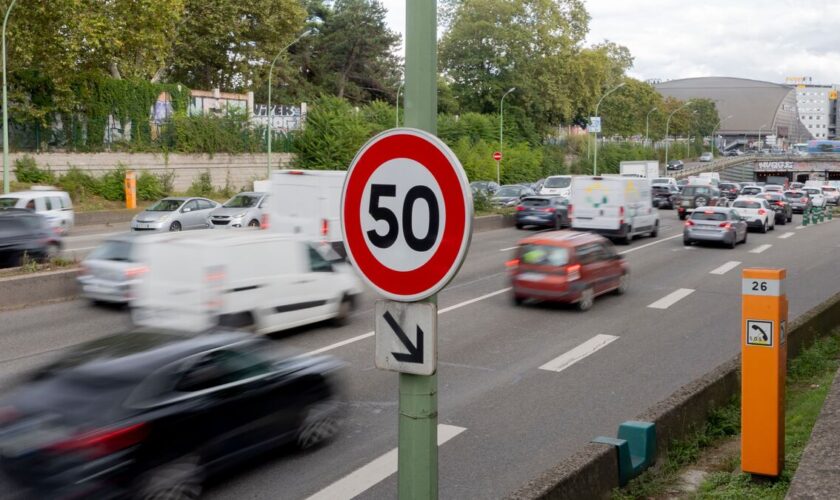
406	213
497	156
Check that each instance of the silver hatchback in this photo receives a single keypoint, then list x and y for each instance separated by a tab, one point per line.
243	210
175	214
109	273
715	224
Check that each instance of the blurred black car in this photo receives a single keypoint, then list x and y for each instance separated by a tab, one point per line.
730	189
663	195
780	204
543	211
698	195
675	165
151	414
25	232
487	188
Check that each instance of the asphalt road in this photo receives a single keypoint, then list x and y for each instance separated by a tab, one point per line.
83	239
506	419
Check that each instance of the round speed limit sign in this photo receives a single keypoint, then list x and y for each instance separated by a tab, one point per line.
406	214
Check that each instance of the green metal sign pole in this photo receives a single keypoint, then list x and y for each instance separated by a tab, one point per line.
6	107
417	456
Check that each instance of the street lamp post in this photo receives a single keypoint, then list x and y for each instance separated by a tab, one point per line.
501	133
688	142
759	138
270	120
647	124
397	119
667	126
6	107
597	106
714	131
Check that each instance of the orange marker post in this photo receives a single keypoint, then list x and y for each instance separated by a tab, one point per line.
763	371
130	189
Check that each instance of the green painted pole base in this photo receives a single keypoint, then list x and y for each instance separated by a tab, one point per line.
417	455
805	218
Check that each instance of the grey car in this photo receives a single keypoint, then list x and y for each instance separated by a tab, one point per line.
175	214
509	195
243	210
109	272
715	224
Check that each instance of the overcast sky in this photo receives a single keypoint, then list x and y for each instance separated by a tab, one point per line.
767	40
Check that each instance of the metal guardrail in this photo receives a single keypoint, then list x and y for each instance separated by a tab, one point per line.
719	165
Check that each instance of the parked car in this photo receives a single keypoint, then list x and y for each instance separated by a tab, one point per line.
695	196
557	185
509	195
774	188
715	224
675	165
817	198
153	414
664	195
53	204
543	211
175	214
729	189
243	210
566	266
778	202
682	183
799	201
23	232
706	157
756	212
485	187
656	181
112	270
832	195
751	190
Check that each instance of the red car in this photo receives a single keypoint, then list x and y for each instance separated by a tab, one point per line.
567	266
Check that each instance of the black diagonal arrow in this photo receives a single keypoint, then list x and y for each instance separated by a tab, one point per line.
415	353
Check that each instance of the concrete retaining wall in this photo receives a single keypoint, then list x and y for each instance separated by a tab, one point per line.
239	170
30	289
585	475
104	217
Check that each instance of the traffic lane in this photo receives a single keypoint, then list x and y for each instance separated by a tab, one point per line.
83	240
481	349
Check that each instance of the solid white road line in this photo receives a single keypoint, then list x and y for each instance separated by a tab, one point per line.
508	249
362	479
732	264
672	298
93	236
629	250
786	235
761	248
569	358
371	334
78	249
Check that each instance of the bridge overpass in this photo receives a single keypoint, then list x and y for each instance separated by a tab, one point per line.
753	167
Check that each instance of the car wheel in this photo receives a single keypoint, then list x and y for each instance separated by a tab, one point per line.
764	228
318	425
682	216
519	226
51	252
587	299
790	217
623	284
345	307
518	299
744	241
180	479
773	225
734	242
700	202
254	223
784	220
175	226
655	232
626	236
687	242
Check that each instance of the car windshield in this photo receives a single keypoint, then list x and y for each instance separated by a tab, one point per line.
726	186
694	190
242	201
661	181
536	202
165	205
813	191
8	202
544	255
829	190
508	192
708	215
115	250
772	196
557	182
795	194
746	204
751	190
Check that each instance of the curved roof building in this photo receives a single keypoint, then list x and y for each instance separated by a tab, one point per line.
755	106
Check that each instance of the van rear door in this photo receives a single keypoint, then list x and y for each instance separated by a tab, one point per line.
597	203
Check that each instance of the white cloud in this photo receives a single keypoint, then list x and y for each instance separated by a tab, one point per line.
767	40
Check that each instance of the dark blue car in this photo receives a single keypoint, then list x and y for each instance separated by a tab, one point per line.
543	211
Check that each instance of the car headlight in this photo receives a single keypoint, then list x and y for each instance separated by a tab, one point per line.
239	216
164	218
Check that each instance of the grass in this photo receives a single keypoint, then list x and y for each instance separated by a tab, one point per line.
809	378
28	265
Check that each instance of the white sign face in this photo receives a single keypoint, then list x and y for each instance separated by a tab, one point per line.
759	332
758	286
595	124
406	337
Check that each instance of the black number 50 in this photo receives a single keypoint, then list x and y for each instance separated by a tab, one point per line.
759	285
414	194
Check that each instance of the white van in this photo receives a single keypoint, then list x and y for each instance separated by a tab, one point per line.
307	203
557	185
53	204
713	177
251	279
617	207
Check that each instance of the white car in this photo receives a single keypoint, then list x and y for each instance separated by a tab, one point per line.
706	157
756	212
557	185
664	181
832	195
751	190
53	204
816	195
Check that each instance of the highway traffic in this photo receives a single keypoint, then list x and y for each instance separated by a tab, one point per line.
520	387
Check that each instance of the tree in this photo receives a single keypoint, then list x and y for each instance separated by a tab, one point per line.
624	111
229	44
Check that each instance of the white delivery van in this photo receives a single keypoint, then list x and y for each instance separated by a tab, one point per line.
557	185
617	207
639	168
307	203
713	177
252	279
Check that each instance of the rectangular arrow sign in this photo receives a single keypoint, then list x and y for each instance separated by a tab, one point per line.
406	337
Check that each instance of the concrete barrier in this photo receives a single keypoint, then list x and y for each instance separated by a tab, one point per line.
37	288
491	222
104	217
585	476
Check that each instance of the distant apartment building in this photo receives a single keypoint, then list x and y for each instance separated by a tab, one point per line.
817	106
